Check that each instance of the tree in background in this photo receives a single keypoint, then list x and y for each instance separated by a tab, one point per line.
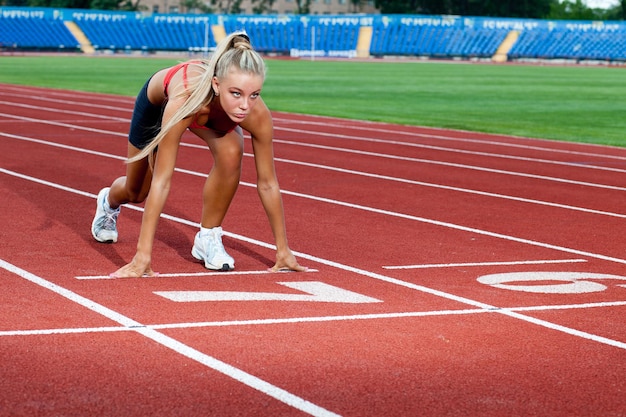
304	6
227	6
72	4
571	10
533	9
262	6
193	6
536	9
357	5
577	10
125	5
494	8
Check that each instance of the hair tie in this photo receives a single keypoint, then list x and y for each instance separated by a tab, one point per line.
236	43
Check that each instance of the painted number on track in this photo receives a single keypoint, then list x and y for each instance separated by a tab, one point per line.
544	282
315	291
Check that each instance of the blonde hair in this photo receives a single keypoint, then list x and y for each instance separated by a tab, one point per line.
233	51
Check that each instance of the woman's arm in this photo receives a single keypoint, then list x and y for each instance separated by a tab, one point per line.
259	124
163	170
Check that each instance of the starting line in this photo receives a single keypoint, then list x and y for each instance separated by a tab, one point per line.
191	274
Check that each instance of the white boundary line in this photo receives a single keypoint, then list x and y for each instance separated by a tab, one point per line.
538	262
313	319
463	166
425	161
173	344
405	284
328	121
452	150
344	204
191	274
346	171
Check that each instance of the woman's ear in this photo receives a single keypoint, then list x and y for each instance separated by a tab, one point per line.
216	85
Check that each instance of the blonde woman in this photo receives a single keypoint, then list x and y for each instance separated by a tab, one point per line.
214	99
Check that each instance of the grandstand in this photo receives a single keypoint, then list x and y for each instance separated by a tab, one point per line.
348	36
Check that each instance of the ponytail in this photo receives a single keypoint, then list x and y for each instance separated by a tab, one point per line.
233	51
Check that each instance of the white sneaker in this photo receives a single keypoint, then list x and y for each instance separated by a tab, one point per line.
208	247
104	225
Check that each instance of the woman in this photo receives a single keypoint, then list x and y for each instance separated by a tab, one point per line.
214	100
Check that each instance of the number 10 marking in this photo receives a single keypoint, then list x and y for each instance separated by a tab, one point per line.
571	282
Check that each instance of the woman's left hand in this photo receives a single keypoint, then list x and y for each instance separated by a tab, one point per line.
285	261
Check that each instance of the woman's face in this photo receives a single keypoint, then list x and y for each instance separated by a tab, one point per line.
238	93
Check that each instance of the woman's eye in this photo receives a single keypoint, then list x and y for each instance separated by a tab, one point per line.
236	94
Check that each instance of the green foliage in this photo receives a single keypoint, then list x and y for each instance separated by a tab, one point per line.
193	5
535	9
574	103
496	8
126	5
573	10
304	6
230	6
71	4
262	6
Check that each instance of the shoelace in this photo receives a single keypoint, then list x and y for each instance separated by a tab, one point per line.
108	222
214	243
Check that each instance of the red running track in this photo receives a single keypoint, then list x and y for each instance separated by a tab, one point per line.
453	274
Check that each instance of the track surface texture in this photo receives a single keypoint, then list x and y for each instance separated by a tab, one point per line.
450	274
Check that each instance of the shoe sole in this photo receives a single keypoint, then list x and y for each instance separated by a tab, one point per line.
104	241
225	267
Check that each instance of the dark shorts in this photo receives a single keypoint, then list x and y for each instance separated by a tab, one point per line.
146	121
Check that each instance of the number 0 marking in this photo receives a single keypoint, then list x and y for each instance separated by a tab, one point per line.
573	282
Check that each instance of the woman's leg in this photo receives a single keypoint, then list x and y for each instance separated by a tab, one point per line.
223	180
134	187
219	190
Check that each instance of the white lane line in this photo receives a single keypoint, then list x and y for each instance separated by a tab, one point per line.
228	323
443	149
511	263
462	166
380	155
342	170
450	188
326	122
405	284
67	125
56	110
190	274
369	127
173	344
345	204
455	227
316	319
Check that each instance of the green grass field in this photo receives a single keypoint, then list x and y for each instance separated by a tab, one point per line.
573	103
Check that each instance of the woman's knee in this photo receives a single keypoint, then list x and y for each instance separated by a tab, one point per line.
229	158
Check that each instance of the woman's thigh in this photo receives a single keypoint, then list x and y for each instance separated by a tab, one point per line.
138	176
